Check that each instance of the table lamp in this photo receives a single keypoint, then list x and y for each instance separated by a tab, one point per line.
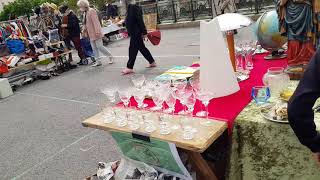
216	72
228	23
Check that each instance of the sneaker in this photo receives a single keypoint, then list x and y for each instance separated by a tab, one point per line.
152	65
83	62
97	63
127	71
111	59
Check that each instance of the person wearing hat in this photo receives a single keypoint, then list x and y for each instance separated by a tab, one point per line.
73	31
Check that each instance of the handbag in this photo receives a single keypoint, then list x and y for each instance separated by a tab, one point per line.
4	50
16	46
3	67
154	37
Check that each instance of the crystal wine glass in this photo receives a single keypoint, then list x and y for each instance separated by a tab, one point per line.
149	122
124	96
133	121
157	97
205	96
139	96
171	102
190	102
110	93
188	131
164	124
138	80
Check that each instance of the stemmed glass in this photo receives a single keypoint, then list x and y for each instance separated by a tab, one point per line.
124	96
109	114
188	130
139	96
164	124
133	121
205	96
183	97
171	102
191	101
158	99
138	80
148	120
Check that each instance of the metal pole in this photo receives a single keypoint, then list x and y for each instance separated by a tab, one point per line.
174	11
158	17
256	6
192	11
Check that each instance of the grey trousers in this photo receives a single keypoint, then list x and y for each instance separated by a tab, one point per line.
97	47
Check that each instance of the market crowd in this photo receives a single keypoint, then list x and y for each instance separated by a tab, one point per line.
85	33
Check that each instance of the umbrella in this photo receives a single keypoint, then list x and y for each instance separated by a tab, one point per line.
229	22
232	21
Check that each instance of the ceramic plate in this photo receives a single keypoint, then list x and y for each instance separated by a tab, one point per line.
265	113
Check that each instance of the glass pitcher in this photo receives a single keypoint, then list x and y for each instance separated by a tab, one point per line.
277	80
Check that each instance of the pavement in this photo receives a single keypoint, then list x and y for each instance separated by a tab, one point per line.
41	136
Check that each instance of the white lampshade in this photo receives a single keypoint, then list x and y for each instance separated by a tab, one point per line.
232	21
216	72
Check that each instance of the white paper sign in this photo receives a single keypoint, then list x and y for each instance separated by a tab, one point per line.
216	72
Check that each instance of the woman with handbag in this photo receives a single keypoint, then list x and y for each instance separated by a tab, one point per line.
92	29
137	32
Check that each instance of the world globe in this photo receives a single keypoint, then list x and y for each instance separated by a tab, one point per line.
267	31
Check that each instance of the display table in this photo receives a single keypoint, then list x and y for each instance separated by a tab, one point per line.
202	140
267	150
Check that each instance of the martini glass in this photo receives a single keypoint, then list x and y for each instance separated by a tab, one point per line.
205	96
138	80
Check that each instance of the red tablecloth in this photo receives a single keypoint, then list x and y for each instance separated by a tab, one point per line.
227	108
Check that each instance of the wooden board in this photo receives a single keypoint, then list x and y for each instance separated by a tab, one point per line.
203	138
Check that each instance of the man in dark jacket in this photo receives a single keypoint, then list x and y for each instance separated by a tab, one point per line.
300	109
73	31
137	32
111	11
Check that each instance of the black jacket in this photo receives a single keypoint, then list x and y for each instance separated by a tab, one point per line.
111	11
134	21
300	112
73	25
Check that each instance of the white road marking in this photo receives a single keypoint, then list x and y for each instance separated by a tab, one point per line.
57	153
85	150
161	56
59	99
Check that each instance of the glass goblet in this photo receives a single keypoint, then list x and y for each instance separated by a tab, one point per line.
138	80
149	122
183	97
139	96
164	124
110	93
188	131
133	121
205	96
125	96
171	102
108	115
191	101
158	99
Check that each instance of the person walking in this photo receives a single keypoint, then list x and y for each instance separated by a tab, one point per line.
137	32
92	29
71	31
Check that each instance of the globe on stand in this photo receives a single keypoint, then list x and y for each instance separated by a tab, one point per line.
269	36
